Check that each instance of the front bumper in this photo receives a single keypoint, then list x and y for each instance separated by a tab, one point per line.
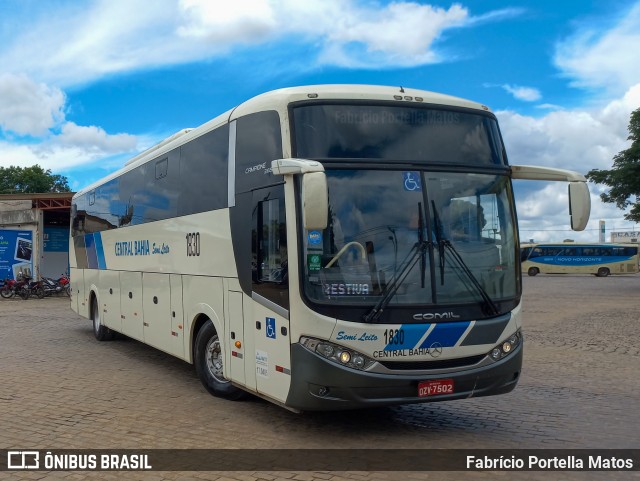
321	385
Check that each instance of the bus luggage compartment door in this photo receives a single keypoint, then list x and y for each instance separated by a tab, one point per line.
109	298
156	304
131	304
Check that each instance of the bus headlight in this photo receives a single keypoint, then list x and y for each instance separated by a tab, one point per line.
339	354
345	357
506	347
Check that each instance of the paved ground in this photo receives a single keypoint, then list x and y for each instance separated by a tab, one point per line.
61	389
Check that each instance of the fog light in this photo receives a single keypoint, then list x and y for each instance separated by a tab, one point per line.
344	357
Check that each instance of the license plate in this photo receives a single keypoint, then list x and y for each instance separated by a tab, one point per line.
435	388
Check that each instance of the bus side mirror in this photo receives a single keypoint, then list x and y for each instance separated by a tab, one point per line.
579	205
579	199
315	201
315	194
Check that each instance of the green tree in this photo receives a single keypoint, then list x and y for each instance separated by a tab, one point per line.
624	177
32	180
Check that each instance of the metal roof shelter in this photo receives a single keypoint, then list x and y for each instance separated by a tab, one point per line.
34	234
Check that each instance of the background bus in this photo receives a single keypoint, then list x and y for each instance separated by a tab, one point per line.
571	258
323	247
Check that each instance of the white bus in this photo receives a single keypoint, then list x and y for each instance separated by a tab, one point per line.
324	247
571	258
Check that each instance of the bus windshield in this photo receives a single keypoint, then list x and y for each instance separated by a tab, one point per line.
396	134
413	238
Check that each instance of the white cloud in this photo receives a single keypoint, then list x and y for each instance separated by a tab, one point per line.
111	36
578	140
82	42
401	33
550	107
36	111
528	94
27	107
95	139
55	155
241	20
603	58
544	214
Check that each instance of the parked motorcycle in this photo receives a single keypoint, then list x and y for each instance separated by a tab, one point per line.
35	288
6	290
20	287
64	281
53	286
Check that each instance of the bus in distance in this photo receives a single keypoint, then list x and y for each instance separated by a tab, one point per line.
572	258
323	247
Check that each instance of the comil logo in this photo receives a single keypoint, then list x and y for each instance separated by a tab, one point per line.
23	460
430	316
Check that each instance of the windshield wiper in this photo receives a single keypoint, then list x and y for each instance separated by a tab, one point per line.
443	246
437	231
418	251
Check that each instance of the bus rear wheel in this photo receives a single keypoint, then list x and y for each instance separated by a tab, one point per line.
533	271
209	364
603	272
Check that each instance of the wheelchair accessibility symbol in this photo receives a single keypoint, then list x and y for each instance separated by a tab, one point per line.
271	327
412	181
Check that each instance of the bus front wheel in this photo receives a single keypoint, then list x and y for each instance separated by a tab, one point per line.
100	331
209	364
603	272
533	271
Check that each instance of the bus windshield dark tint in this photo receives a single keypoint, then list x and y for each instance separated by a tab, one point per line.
396	134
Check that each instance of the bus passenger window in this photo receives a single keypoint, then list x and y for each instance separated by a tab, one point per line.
537	252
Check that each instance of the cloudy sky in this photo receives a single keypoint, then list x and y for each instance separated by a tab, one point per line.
84	85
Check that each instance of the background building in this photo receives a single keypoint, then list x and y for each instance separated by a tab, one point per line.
34	234
628	236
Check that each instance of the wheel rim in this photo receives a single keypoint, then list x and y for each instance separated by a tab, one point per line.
213	357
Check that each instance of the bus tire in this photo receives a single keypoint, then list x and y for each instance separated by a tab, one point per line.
603	272
533	271
209	364
100	331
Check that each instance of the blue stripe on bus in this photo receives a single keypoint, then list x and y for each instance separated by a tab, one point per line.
579	260
92	257
412	333
102	262
447	334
